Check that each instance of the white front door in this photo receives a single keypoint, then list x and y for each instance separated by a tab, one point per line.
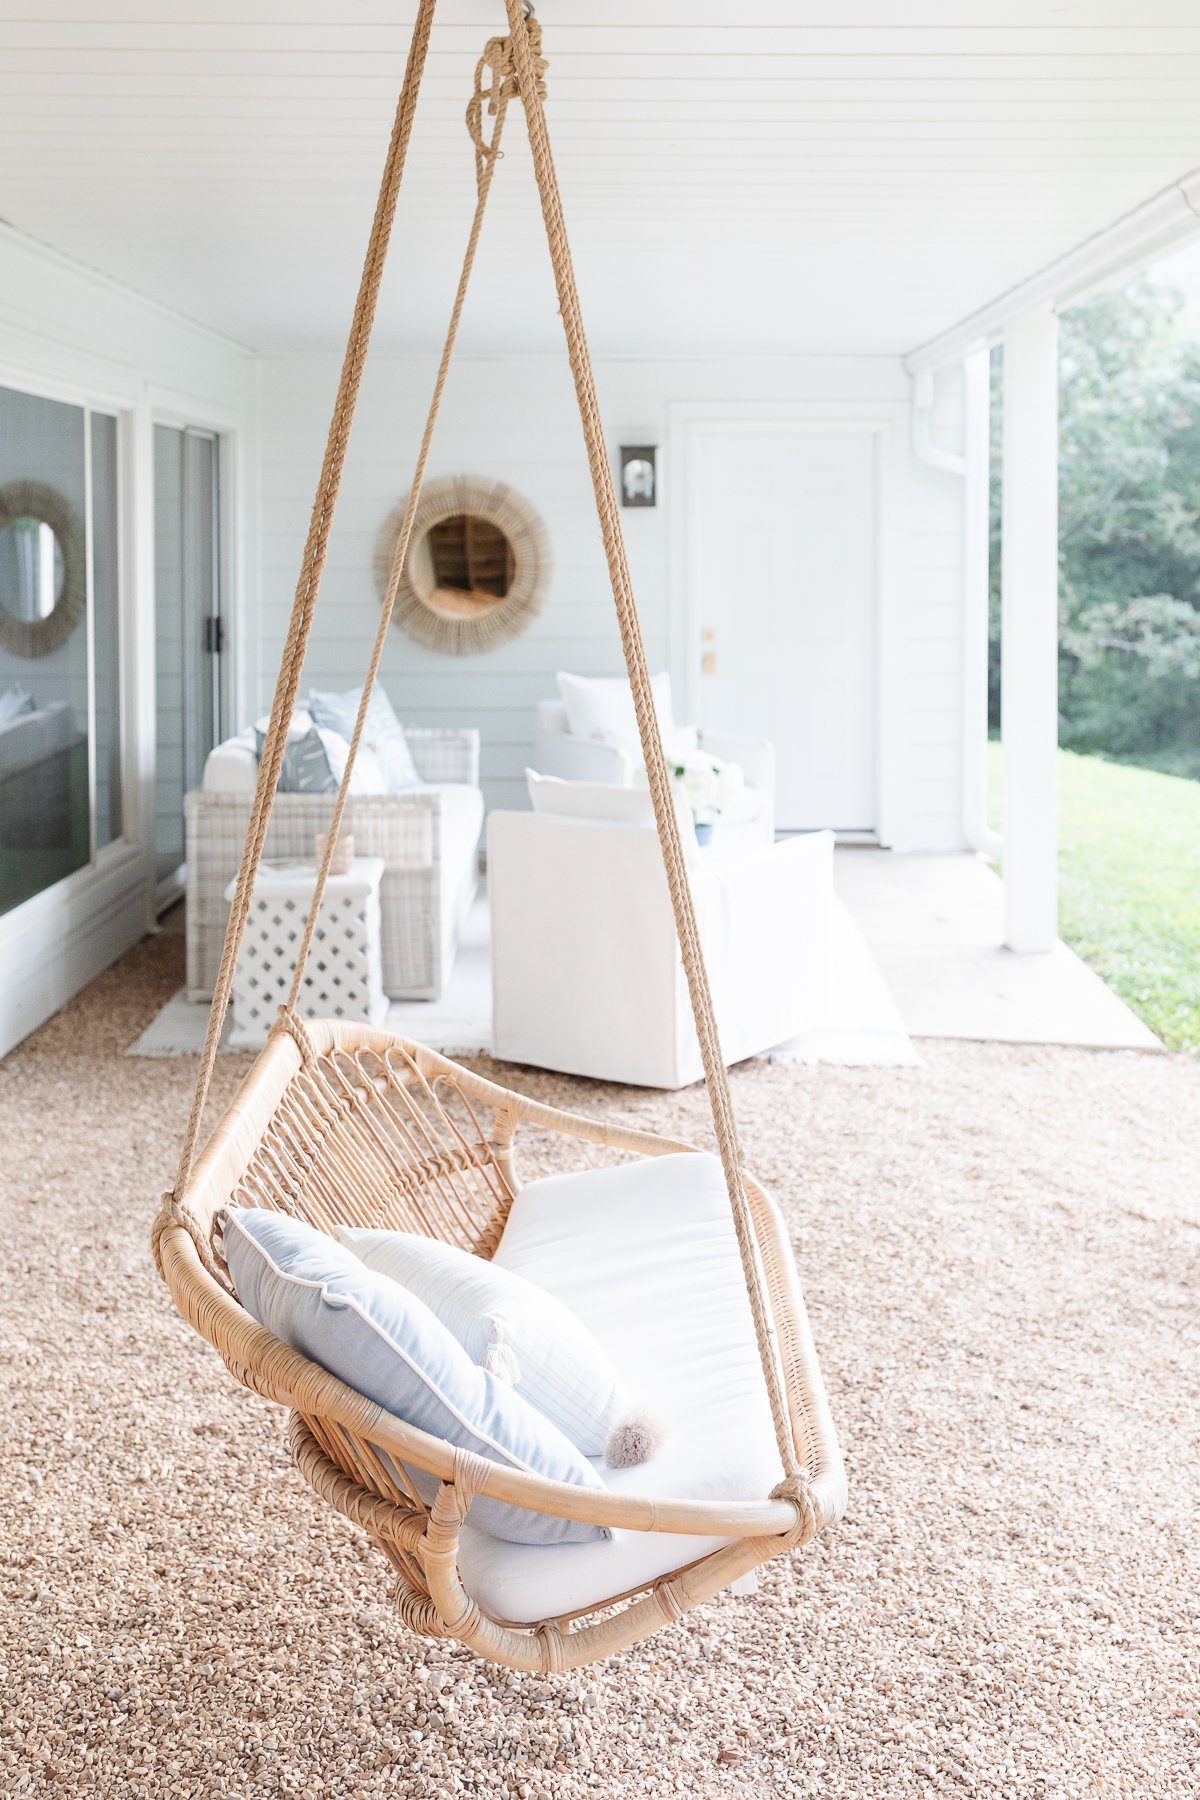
783	610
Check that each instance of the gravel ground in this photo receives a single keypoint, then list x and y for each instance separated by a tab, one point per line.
999	1251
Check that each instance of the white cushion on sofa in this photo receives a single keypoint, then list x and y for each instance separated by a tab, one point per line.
232	767
603	800
645	1255
589	799
462	821
600	710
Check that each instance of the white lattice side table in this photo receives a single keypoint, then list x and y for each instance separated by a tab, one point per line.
343	979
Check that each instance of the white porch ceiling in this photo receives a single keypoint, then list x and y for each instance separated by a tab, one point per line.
737	176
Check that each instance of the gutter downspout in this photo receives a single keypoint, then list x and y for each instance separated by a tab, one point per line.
972	468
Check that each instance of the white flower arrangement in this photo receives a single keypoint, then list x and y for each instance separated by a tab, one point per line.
708	785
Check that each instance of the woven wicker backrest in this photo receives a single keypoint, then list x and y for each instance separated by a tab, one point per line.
365	1137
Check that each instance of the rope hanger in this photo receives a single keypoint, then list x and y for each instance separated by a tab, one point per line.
510	67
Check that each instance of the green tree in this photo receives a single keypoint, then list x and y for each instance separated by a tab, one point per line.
1129	529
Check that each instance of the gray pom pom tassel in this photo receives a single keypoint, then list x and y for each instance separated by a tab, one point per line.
634	1440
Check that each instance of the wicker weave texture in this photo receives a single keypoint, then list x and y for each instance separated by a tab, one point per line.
404	829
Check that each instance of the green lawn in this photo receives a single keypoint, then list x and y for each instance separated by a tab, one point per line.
1129	885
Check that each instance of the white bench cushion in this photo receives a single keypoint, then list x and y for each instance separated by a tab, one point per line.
645	1255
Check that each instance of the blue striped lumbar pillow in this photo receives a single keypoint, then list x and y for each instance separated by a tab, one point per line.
508	1324
381	1339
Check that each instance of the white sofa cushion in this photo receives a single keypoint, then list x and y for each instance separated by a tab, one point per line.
589	799
600	710
462	821
509	1326
603	800
232	767
646	1256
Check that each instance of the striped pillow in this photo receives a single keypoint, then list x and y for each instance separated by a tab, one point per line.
318	1298
519	1332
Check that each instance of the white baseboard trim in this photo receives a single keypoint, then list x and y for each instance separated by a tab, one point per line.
60	940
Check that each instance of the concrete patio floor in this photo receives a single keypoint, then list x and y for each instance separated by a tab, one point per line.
935	927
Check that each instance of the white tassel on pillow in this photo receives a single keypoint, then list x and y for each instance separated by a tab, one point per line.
499	1359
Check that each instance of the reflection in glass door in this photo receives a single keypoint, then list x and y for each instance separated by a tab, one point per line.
189	630
60	641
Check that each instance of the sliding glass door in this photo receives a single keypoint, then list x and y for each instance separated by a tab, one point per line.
189	629
61	719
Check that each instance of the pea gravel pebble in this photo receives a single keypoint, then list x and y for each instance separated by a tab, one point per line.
1000	1253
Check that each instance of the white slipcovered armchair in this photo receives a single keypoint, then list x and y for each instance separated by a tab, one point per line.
590	734
558	752
587	977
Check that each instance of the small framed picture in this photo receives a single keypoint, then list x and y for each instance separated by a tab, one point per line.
639	475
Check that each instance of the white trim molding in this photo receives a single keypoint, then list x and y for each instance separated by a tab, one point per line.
1139	237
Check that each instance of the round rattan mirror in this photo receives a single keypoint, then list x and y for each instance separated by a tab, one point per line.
477	568
43	580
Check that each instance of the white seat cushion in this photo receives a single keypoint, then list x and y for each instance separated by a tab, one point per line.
461	819
645	1255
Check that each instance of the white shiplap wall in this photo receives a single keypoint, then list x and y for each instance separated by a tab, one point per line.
515	418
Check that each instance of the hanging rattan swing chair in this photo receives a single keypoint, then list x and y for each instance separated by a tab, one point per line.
341	1123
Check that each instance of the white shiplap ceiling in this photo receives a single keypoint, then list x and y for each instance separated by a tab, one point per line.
751	175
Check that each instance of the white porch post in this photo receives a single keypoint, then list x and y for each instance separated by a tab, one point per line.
1029	630
976	550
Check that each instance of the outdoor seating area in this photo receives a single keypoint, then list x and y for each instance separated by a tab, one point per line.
599	902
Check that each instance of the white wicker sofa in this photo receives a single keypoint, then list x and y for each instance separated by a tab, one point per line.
428	838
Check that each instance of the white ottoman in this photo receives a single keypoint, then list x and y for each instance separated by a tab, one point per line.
343	979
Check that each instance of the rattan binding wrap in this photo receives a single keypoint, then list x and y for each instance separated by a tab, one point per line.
359	1127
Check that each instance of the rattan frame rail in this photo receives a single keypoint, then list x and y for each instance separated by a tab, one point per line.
426	1145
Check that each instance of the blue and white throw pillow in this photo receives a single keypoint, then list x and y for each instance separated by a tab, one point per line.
314	762
319	1298
513	1327
306	768
383	733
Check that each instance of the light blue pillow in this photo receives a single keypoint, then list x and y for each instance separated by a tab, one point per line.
382	733
316	1296
514	1328
306	768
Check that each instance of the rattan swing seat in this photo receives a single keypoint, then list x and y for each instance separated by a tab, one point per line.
344	1124
358	1127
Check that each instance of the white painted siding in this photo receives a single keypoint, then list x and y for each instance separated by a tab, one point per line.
515	418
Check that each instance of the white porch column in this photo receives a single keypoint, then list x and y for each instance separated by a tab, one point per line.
1029	630
977	446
